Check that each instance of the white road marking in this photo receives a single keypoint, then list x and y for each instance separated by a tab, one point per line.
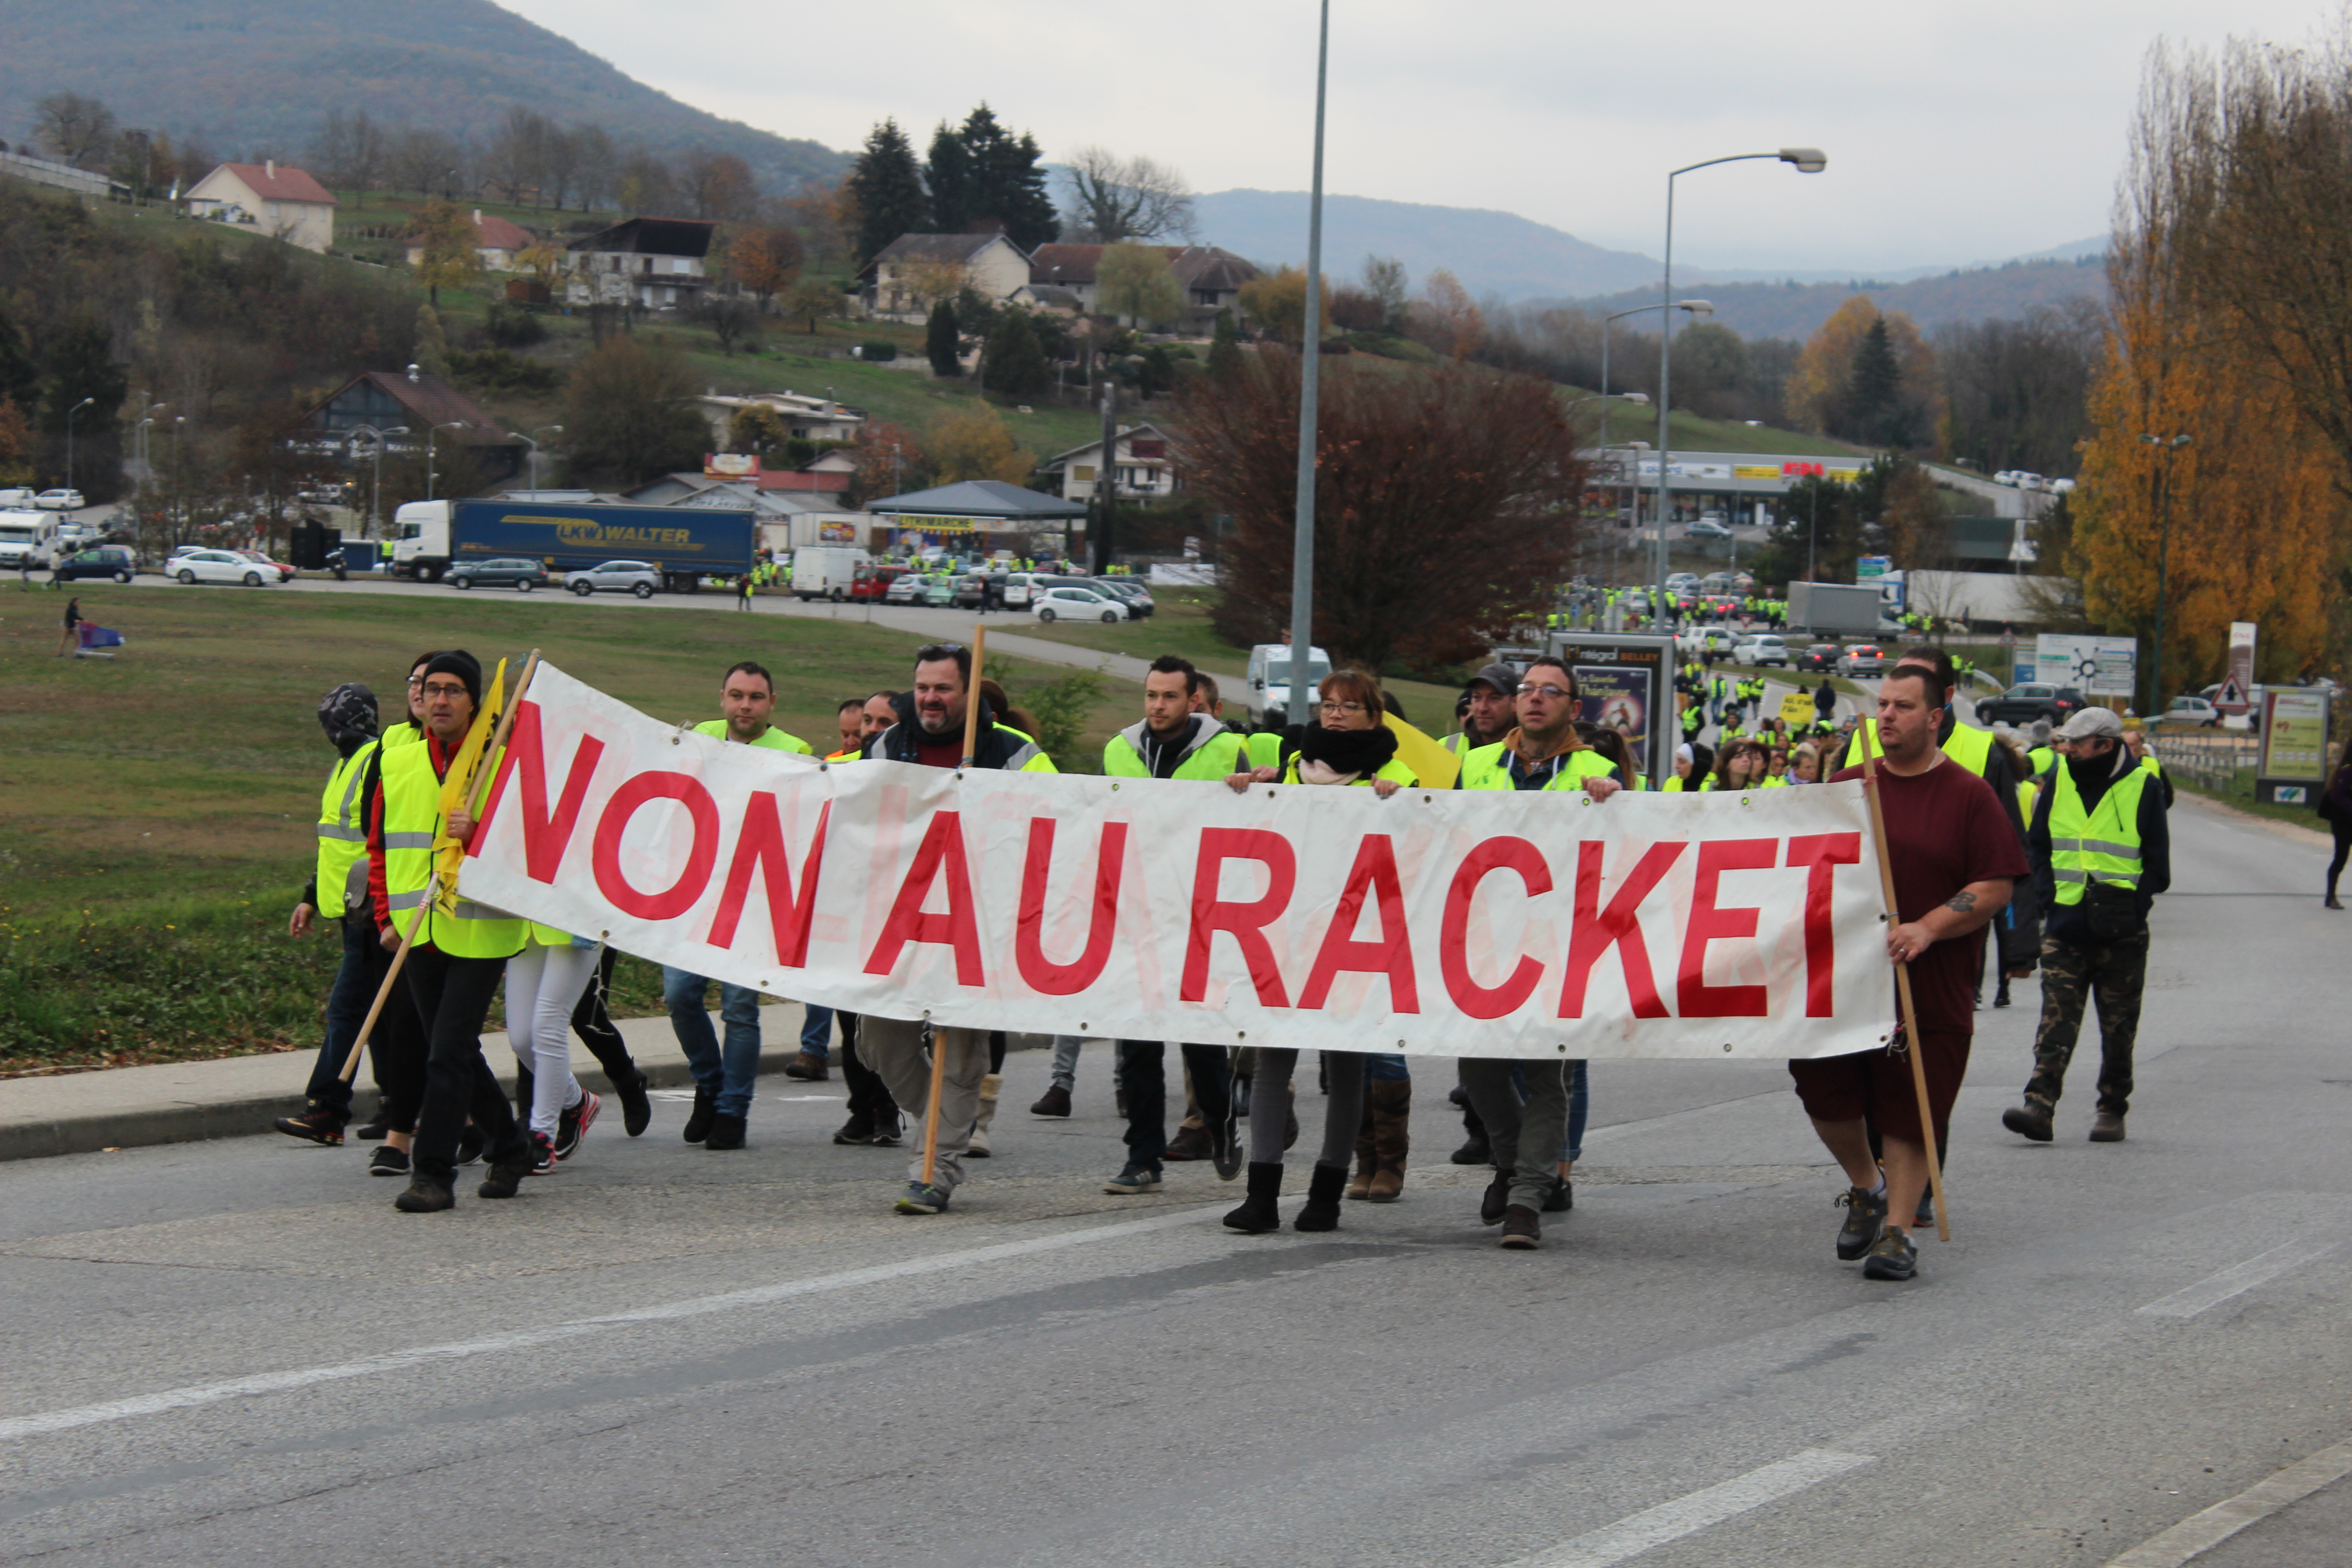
2216	1289
1637	1534
2200	1532
18	1426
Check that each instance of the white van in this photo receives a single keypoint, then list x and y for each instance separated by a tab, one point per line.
26	537
1268	698
825	571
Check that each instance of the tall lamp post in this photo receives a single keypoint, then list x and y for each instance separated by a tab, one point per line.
1809	161
1310	384
1698	307
2165	447
532	441
429	434
376	438
77	408
1638	399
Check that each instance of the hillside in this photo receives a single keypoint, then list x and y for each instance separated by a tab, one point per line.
1796	310
250	77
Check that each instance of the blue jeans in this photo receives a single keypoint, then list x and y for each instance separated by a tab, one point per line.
725	1076
816	1031
347	1009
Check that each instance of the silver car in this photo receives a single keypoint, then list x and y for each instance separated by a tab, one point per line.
638	577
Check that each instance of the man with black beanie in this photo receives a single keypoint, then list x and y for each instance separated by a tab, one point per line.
456	957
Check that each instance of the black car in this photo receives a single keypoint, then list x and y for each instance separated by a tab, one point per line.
1821	657
2026	704
500	571
114	560
971	591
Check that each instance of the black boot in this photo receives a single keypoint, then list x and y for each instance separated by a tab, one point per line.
526	1085
1474	1149
637	1106
698	1123
1323	1190
1256	1214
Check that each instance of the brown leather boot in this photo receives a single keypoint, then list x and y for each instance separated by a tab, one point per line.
1390	1105
1367	1158
2107	1127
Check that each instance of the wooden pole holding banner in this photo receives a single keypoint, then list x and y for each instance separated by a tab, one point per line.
1910	1013
938	1055
433	883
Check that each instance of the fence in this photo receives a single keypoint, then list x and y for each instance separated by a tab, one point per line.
2214	760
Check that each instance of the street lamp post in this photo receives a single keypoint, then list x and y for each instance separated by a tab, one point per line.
179	478
430	432
2165	447
1698	307
532	441
77	408
376	438
1310	382
1809	161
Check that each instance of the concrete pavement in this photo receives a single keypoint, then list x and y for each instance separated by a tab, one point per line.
237	1352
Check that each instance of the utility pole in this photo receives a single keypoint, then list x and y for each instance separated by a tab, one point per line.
1106	484
1310	382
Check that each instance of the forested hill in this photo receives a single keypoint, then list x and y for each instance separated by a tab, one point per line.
1797	310
251	77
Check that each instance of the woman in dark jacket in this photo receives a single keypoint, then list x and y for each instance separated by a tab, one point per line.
2336	810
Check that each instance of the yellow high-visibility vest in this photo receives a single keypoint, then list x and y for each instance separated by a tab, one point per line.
412	815
342	835
2103	844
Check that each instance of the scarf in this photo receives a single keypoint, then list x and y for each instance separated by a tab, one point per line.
1338	756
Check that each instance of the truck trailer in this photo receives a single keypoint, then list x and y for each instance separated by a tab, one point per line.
684	544
1835	609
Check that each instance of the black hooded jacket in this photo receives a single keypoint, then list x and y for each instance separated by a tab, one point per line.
1001	745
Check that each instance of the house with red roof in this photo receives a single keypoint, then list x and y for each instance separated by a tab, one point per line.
277	198
497	243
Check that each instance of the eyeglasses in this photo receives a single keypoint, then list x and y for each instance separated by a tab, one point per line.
1342	708
1530	689
445	691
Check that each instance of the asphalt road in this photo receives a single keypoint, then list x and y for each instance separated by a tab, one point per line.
237	1352
1005	626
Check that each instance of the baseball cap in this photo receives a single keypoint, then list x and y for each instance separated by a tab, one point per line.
2090	724
1501	676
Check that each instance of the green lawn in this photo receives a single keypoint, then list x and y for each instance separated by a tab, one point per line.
161	803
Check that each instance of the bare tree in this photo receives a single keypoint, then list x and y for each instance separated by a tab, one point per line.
421	160
1386	280
599	169
77	129
1114	199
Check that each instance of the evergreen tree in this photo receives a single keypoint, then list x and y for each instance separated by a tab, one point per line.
888	189
940	341
20	378
1016	362
1872	389
983	177
82	365
1224	350
948	170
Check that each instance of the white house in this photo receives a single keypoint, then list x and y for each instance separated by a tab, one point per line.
655	263
901	282
276	198
805	417
1141	467
497	243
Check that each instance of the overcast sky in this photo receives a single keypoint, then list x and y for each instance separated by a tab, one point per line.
1956	132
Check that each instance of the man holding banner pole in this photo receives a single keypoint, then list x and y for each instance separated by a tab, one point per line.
929	730
456	950
1953	856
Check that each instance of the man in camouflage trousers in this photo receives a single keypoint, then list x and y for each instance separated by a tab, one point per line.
2073	975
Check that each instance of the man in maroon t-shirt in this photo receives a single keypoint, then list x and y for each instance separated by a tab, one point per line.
1954	854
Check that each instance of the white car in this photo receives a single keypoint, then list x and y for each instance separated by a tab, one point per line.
2006	477
1763	648
59	501
218	566
2061	487
1077	605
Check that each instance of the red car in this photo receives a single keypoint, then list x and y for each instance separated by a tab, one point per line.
285	573
873	581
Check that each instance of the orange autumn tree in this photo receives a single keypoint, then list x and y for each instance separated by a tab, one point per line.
1820	389
2259	529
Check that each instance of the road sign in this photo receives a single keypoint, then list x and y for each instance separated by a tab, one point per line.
2236	693
2097	666
1866	567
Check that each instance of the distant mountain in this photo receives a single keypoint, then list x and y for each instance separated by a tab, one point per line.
1490	252
1792	309
256	76
1502	254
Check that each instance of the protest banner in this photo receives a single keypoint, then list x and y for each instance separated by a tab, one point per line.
1437	923
1797	708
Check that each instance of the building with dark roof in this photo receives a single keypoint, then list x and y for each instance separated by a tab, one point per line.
415	403
1211	277
654	263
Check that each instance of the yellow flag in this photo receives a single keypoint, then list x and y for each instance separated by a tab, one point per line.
1431	763
457	785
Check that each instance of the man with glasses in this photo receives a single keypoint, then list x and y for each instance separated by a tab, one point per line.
724	1079
456	957
1542	753
928	730
1173	742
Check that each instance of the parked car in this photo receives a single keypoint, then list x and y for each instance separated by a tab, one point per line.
2191	712
1861	659
2026	704
1707	643
904	589
940	590
499	572
285	573
1077	605
2006	477
2061	487
113	561
1018	589
1703	529
637	577
1820	658
1128	591
874	580
218	566
1760	648
59	501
